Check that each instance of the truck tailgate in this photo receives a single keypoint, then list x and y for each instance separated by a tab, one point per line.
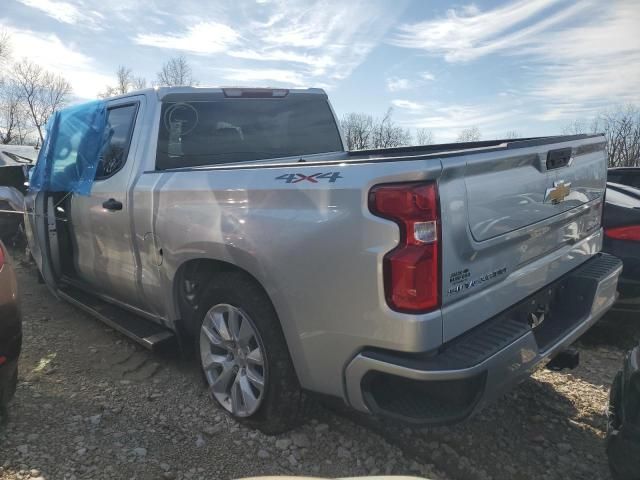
514	221
510	193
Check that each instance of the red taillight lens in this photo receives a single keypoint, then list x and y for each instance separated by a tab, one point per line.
624	233
412	269
1	257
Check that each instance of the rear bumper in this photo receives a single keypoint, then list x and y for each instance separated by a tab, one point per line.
480	365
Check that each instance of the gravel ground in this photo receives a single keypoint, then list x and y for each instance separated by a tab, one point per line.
91	404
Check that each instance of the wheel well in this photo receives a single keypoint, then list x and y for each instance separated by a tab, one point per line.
190	281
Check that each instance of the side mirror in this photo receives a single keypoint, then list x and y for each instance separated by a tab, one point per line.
14	198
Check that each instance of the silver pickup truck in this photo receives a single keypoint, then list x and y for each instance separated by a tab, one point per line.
418	283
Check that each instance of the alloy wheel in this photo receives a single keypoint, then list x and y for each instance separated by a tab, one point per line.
233	360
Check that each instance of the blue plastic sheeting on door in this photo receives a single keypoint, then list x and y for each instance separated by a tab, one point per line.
75	139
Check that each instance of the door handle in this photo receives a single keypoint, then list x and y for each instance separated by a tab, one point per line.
112	204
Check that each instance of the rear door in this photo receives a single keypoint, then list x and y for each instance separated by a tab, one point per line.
101	223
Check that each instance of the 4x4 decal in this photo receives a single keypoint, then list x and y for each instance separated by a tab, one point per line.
332	177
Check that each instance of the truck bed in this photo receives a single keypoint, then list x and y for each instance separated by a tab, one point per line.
462	148
397	154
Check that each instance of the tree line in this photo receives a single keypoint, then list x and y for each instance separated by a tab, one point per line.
621	128
175	72
362	131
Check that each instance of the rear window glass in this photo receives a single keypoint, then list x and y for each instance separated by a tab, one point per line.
195	133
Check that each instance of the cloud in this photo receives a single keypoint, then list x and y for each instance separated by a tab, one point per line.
284	77
408	105
203	38
64	12
51	53
322	42
594	63
447	120
584	53
315	65
328	39
469	33
395	84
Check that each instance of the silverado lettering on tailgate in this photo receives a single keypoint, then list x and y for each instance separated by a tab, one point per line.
460	282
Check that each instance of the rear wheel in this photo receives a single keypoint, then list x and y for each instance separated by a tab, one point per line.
244	356
233	360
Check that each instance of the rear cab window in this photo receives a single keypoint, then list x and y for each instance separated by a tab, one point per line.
212	129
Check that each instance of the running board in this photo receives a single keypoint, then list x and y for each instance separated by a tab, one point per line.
145	332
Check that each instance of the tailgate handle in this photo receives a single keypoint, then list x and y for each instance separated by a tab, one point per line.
558	158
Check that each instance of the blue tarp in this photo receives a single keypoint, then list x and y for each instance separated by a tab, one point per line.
75	139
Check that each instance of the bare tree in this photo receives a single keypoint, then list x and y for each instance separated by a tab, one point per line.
424	137
175	72
577	127
5	46
14	118
362	131
386	134
512	135
471	134
125	83
357	128
139	83
621	128
41	91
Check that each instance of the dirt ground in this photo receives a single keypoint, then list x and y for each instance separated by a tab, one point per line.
91	404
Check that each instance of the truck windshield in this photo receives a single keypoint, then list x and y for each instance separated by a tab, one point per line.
210	132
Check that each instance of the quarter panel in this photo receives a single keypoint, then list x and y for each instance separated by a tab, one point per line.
314	247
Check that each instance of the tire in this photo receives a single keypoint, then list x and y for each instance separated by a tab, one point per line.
281	400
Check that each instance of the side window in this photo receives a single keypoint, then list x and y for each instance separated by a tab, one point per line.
635	180
120	122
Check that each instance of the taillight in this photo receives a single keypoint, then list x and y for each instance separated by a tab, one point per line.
412	269
624	233
1	257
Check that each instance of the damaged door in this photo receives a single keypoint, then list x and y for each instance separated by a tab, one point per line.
101	229
41	226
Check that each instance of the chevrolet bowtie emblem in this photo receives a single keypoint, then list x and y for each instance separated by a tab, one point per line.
558	193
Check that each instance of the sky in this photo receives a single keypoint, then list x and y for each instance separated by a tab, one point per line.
525	66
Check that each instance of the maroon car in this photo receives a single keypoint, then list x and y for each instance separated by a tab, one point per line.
10	329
